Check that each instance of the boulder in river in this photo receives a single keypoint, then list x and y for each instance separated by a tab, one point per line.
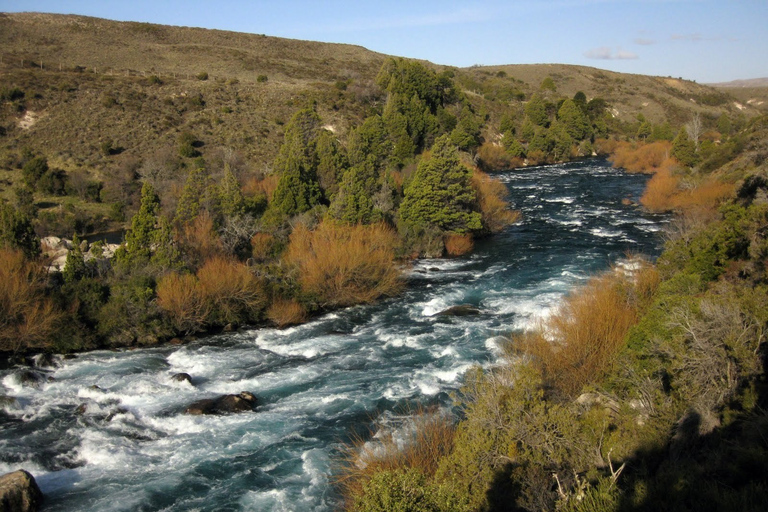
30	378
181	377
462	310
242	402
19	492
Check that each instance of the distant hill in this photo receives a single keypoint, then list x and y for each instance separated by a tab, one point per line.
751	82
90	84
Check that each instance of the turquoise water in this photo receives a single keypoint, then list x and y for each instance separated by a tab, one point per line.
134	449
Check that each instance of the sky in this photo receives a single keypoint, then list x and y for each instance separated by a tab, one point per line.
703	40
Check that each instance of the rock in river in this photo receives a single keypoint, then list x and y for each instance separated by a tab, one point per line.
242	402
462	310
19	492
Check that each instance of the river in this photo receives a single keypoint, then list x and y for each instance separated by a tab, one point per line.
134	449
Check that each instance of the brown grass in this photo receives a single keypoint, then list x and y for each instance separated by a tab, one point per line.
284	313
429	438
27	318
492	202
459	245
578	344
345	265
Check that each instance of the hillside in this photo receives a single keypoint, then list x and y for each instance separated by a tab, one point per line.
109	100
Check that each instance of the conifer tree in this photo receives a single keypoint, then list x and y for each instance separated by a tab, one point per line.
137	248
74	267
440	194
536	110
573	120
16	231
354	204
684	149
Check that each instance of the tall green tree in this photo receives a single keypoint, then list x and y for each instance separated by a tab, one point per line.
16	231
684	149
440	194
137	249
573	120
536	110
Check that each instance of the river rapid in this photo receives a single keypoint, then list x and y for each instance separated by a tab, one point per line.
134	449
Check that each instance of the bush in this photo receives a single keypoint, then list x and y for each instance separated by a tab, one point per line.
492	202
233	293
262	78
345	265
458	245
180	297
284	313
27	318
203	75
579	342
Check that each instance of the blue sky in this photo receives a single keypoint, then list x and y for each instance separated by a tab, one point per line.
703	40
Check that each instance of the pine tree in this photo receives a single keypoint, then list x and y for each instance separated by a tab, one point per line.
74	267
573	120
16	231
354	204
440	194
137	248
683	149
536	110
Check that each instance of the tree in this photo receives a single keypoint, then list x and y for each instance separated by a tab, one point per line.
694	128
137	249
644	130
548	85
466	135
440	194
16	231
573	120
536	110
354	202
684	149
724	125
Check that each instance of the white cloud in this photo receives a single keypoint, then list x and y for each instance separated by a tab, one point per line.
606	53
644	42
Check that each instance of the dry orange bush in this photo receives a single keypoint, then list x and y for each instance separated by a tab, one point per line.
180	297
427	440
27	318
345	265
494	156
283	313
665	193
267	185
199	238
458	245
492	202
646	158
660	190
263	246
233	293
579	342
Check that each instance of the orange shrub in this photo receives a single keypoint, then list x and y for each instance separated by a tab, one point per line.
199	239
254	186
458	245
283	313
232	292
579	342
492	202
342	265
429	438
27	318
659	191
263	246
647	158
495	157
180	297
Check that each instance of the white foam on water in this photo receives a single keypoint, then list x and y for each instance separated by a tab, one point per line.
606	233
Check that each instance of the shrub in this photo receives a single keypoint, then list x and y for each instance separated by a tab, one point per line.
646	158
578	343
199	240
262	78
27	318
495	157
203	75
233	293
458	245
492	202
180	297
344	265
284	313
419	447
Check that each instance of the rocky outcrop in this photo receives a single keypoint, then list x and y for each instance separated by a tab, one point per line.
462	310
226	404
19	492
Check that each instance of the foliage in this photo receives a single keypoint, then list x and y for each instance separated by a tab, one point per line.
28	319
16	231
440	194
284	313
536	111
458	245
492	202
344	265
684	149
143	232
574	120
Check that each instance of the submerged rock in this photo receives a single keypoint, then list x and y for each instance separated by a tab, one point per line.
19	492
462	310
30	378
226	404
7	401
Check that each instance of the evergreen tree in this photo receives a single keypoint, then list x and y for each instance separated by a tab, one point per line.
644	130
513	146
580	99
137	249
74	267
354	204
331	163
573	120
536	110
662	132
724	125
440	194
16	231
231	201
194	195
683	149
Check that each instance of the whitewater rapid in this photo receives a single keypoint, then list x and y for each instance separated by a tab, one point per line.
107	431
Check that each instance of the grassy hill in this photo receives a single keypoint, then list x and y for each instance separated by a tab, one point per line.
107	99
